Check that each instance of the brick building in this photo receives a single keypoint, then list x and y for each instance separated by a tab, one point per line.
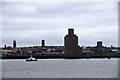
72	49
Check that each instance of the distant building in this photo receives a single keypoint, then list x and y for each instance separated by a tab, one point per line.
99	44
14	44
16	50
43	43
5	46
43	47
71	45
6	51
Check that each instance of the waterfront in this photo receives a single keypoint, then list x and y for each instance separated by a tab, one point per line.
60	68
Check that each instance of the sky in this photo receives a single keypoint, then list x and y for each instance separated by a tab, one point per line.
30	22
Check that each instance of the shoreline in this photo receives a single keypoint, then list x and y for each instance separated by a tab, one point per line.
58	57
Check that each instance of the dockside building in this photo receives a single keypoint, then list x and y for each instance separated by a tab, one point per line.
71	47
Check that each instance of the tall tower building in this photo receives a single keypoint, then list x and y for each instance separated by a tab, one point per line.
14	44
5	46
43	43
72	49
99	44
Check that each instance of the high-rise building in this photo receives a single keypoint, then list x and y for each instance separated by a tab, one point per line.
71	45
14	44
43	43
5	46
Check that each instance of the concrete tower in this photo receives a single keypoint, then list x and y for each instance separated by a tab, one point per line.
43	43
5	47
72	50
14	44
99	44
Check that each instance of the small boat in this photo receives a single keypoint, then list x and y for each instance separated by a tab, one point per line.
31	59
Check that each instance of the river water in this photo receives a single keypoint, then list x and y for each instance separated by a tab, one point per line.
60	68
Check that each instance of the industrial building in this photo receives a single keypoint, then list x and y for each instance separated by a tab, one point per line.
71	47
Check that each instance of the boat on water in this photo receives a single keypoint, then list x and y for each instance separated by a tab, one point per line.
31	59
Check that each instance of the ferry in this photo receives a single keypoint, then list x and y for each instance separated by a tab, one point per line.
31	59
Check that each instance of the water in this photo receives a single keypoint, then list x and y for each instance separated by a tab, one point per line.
60	68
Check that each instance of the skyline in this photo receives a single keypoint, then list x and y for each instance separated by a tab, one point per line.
29	23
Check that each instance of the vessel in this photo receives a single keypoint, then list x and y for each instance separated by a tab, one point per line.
31	59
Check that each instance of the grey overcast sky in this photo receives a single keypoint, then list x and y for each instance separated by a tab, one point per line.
29	23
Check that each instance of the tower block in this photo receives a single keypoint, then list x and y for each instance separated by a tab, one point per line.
72	49
14	44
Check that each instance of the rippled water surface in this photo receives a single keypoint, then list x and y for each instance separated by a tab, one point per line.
60	68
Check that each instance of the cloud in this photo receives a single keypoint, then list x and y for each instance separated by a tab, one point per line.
50	21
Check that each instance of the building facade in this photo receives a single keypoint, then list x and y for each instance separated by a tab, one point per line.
71	45
43	43
14	44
